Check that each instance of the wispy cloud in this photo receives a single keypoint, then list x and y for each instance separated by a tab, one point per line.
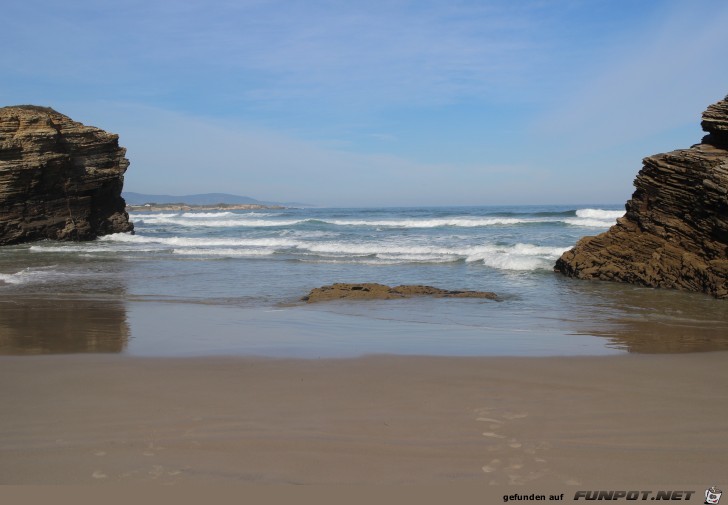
464	101
175	153
282	51
660	80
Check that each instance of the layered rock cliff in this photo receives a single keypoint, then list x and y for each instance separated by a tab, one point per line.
59	179
675	231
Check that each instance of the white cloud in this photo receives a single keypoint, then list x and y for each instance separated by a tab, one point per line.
179	154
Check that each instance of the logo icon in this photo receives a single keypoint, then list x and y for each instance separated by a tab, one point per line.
712	495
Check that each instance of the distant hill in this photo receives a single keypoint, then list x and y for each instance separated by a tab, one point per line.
201	199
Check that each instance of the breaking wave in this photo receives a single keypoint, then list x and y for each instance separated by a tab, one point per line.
594	218
519	256
32	275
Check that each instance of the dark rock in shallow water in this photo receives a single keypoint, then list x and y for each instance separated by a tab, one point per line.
373	291
59	179
675	231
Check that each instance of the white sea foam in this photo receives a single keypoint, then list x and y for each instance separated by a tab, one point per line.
599	213
515	257
540	251
205	215
519	256
416	258
199	241
591	223
595	218
466	222
218	223
308	234
144	216
517	262
238	220
31	275
226	252
584	217
86	248
371	248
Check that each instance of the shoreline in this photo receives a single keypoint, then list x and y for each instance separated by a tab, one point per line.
564	422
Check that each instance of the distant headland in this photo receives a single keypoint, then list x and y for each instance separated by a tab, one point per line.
205	201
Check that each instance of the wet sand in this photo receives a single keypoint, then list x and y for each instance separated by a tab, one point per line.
651	421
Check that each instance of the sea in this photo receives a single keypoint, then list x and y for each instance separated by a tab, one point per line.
231	282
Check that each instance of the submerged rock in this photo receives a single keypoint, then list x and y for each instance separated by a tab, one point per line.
675	231
59	179
373	291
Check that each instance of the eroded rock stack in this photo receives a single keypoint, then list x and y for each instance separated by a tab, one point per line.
675	231
59	179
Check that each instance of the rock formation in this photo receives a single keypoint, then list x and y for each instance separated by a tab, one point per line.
59	179
675	231
373	291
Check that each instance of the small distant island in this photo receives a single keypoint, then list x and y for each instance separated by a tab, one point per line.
160	207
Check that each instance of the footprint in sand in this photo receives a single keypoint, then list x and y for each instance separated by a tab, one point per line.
519	456
489	420
512	415
156	472
151	448
492	466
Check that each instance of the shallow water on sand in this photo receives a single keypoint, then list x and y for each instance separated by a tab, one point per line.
231	283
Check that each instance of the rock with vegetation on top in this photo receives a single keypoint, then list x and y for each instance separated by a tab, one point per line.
373	291
675	231
59	179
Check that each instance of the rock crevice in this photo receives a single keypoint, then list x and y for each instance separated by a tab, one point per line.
59	179
675	231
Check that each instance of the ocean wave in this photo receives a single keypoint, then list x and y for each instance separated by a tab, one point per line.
516	257
87	248
32	275
218	223
591	223
513	257
309	234
205	215
373	248
467	222
600	213
595	218
161	214
519	256
225	252
198	241
581	217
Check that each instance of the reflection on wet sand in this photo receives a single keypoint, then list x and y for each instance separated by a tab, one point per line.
59	326
648	337
644	320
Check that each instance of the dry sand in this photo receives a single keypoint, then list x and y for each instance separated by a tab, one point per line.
650	421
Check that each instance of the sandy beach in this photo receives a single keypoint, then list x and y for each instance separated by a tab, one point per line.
650	421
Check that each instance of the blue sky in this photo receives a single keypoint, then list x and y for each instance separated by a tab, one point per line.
377	103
